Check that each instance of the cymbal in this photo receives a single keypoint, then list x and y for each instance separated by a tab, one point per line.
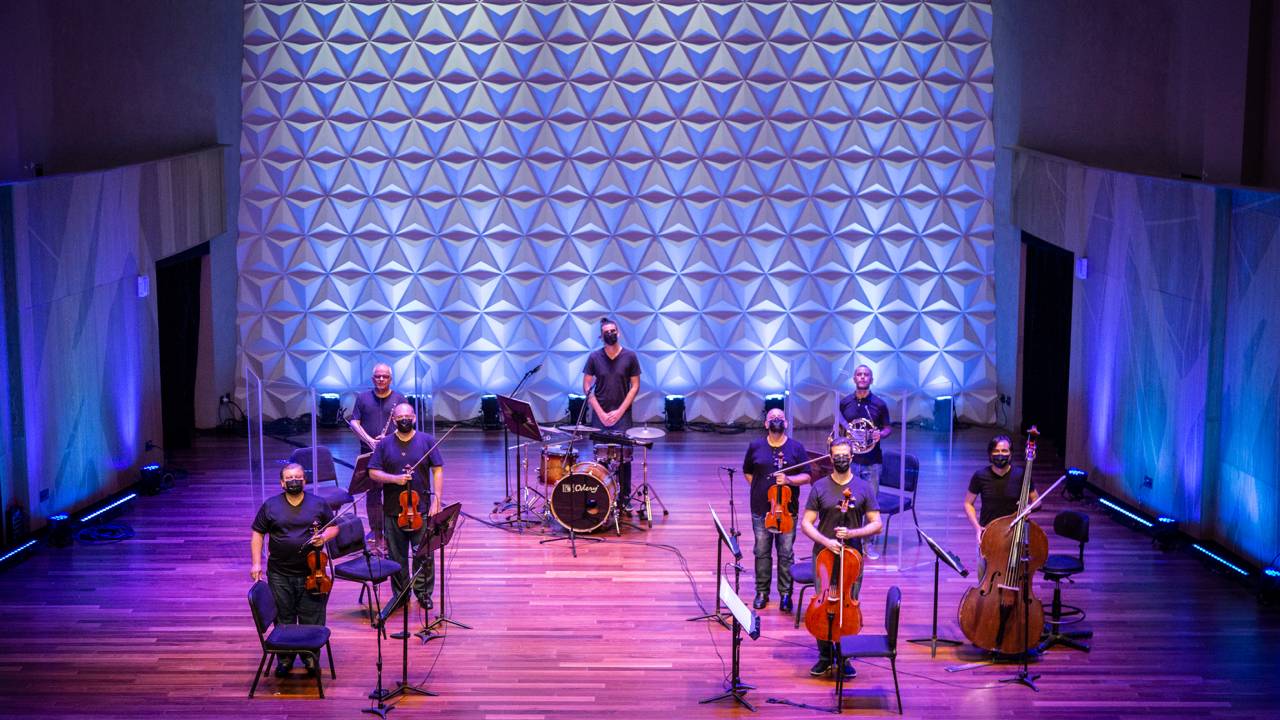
646	433
578	428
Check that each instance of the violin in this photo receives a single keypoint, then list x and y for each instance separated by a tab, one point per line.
779	519
318	580
409	519
1001	614
833	612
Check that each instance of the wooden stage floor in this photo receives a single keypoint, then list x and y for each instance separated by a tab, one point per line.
158	625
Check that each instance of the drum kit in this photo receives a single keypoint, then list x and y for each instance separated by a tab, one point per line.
583	495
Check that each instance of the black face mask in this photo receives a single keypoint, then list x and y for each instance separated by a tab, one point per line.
842	464
776	425
1001	460
404	425
293	486
611	338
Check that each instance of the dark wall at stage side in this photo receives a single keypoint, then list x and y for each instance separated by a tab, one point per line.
94	85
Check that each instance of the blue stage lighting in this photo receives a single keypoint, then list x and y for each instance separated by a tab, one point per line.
15	551
1126	513
775	400
1206	552
112	506
673	406
1077	481
59	530
1165	533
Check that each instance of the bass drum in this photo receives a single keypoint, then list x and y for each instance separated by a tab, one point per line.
581	501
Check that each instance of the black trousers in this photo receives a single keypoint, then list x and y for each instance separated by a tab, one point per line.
294	605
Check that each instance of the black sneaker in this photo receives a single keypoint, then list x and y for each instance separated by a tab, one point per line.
847	671
784	604
310	666
820	668
426	603
282	670
762	600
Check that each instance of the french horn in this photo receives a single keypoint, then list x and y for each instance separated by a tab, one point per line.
861	435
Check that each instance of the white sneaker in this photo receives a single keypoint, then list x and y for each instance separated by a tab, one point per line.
870	552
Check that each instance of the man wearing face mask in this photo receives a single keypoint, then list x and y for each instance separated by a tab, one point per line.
999	485
864	404
390	464
615	373
828	527
370	421
765	456
289	520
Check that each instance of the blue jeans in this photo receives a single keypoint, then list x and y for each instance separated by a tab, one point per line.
764	544
871	474
399	544
294	605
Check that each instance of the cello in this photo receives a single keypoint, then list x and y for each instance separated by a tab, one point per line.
1000	613
779	519
833	612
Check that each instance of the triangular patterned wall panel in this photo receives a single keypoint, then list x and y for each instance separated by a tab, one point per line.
763	194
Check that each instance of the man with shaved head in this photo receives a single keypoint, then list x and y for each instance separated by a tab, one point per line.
766	456
401	463
371	421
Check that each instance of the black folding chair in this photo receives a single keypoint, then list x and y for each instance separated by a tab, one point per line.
368	571
335	496
886	646
285	639
891	494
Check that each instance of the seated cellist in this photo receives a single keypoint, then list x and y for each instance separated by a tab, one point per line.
823	523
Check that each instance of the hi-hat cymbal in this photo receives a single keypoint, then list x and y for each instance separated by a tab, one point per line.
646	433
578	428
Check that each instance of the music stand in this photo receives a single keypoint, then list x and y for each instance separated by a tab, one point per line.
742	617
953	561
440	529
360	480
518	419
401	599
723	540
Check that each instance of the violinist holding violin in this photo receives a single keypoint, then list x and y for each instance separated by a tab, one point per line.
290	520
833	520
773	520
400	463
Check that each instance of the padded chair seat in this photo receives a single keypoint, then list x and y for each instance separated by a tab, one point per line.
356	570
802	573
334	497
1061	566
866	646
284	638
889	504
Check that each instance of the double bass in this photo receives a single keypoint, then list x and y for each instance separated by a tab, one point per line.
833	612
1001	613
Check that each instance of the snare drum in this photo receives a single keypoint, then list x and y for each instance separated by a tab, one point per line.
556	461
582	500
613	454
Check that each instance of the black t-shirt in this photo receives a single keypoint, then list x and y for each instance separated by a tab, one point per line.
762	461
825	496
392	455
289	528
374	412
871	408
998	496
613	377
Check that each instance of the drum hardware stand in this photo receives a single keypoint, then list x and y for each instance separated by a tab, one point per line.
646	493
940	556
572	537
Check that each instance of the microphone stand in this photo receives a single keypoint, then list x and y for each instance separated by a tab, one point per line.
378	693
733	508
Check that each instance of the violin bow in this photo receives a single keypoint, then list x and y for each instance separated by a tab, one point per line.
427	454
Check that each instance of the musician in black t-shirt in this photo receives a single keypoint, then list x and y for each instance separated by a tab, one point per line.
828	527
862	404
392	458
289	520
371	421
611	381
999	485
765	456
